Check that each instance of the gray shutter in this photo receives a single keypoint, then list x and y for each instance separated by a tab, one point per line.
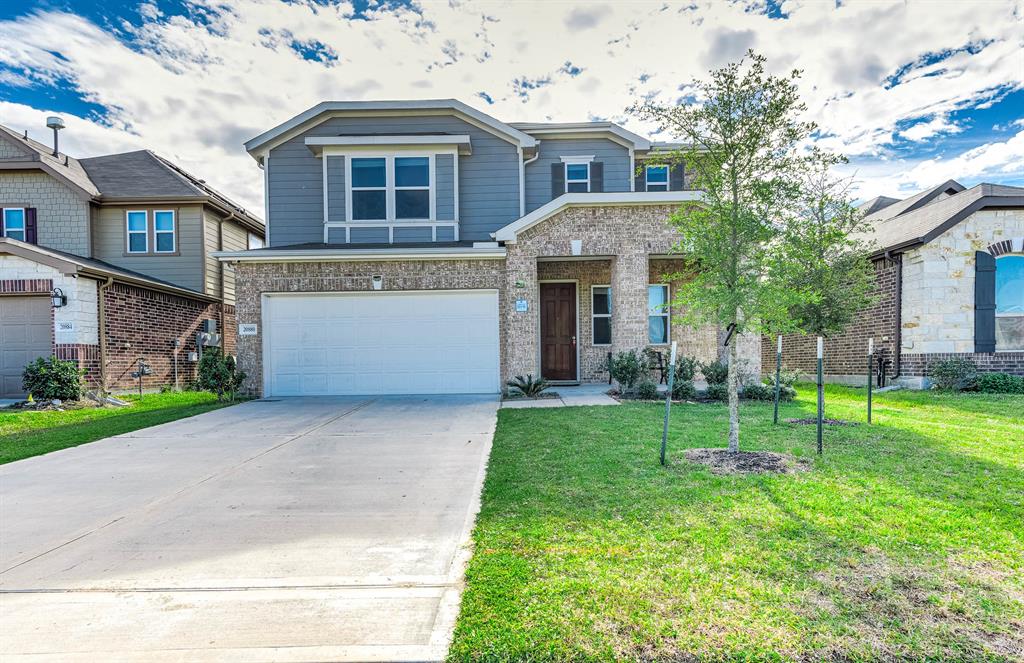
31	226
596	177
640	179
984	302
557	179
676	181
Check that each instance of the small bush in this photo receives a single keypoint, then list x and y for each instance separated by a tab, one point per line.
218	374
647	390
766	392
686	369
628	368
717	392
1000	383
954	374
787	378
52	378
529	386
715	372
683	390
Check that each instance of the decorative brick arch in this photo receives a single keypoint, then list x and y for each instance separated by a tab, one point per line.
1011	245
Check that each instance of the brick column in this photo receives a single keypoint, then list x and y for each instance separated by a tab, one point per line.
522	351
629	301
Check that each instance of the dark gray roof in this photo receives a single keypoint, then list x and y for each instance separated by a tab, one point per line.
924	223
137	175
915	201
61	166
877	203
314	246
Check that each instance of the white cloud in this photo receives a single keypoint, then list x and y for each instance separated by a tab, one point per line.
194	92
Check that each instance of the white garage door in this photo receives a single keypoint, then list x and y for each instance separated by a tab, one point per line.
381	343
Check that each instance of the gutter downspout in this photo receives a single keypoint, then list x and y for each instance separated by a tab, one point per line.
102	311
223	267
522	177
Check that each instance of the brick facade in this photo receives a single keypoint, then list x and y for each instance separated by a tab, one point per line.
64	216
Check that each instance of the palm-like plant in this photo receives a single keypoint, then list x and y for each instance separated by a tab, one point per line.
529	386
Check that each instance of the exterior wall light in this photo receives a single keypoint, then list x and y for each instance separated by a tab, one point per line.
58	298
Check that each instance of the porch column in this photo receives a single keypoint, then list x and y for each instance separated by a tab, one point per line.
521	345
629	301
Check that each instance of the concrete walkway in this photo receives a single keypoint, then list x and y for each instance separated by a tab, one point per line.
290	530
582	394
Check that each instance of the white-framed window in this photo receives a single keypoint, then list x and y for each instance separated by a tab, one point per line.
577	177
13	223
164	231
391	188
255	242
137	226
601	314
1010	303
657	314
657	178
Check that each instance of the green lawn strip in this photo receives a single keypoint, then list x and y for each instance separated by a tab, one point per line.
26	433
905	540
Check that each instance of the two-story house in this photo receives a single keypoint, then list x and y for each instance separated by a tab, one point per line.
427	247
109	260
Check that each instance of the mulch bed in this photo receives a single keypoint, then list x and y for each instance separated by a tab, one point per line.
721	461
542	396
811	421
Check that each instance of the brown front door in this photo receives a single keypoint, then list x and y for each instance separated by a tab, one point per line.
558	331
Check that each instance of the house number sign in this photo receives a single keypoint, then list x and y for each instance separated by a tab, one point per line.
522	306
248	329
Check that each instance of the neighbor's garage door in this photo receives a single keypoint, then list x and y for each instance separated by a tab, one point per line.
381	343
24	335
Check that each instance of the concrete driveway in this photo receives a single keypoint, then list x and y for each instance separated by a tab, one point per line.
289	530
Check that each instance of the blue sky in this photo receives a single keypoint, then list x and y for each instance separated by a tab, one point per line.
912	92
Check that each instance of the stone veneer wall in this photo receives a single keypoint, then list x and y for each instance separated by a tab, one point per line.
62	216
255	279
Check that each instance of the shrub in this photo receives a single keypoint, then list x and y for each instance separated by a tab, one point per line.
1000	383
787	378
715	372
717	392
953	374
686	369
683	390
759	392
628	368
647	390
218	373
529	386
52	378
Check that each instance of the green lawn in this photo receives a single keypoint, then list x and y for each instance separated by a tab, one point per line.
904	541
24	433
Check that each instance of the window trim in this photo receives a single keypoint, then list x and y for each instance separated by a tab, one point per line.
576	161
600	315
173	232
128	232
1005	315
428	188
24	222
668	177
667	313
389	187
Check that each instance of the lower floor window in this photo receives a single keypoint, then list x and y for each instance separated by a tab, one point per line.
657	314
13	223
601	312
1010	303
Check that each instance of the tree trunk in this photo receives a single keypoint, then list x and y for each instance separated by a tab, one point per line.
734	397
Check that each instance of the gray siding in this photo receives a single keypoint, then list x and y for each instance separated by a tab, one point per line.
368	235
538	174
335	189
444	179
418	234
184	269
234	238
488	179
448	235
62	217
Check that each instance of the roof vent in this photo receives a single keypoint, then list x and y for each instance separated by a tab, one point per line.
55	123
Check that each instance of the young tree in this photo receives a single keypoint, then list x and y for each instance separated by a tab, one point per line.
745	136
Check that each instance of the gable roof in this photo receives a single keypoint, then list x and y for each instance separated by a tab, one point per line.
138	174
40	156
915	201
877	203
255	146
548	128
925	222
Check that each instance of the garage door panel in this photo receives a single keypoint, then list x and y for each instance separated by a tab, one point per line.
25	334
382	343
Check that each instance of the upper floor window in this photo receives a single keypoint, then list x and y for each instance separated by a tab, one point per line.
657	178
577	177
163	231
384	188
1010	303
154	232
138	232
13	223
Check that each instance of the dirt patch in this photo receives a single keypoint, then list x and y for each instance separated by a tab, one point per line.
539	397
721	461
811	421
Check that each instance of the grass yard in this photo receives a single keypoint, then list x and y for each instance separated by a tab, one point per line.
905	541
26	433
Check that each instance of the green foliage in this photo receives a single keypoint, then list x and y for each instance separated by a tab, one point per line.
715	372
787	378
999	383
627	368
766	392
955	374
683	390
686	368
717	392
218	374
52	378
529	386
647	390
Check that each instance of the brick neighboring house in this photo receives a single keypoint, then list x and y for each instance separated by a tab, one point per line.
126	242
426	247
949	272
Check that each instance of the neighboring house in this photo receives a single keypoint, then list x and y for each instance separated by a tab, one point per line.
125	243
949	264
424	246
